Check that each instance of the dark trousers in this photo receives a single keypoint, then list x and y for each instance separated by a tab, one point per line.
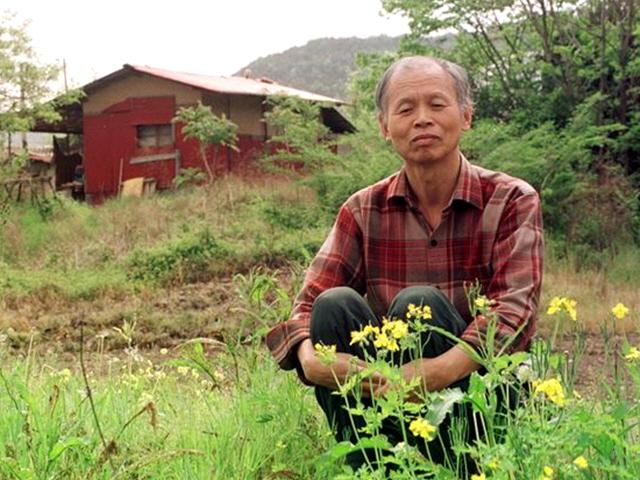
339	311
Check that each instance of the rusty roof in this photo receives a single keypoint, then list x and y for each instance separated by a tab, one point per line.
72	114
231	85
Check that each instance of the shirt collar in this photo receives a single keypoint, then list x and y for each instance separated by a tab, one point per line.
468	186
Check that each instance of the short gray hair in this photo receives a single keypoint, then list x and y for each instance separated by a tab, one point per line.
458	74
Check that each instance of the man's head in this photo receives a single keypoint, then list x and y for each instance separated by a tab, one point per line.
457	73
424	105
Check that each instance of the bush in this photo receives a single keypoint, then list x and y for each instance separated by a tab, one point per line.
583	210
187	259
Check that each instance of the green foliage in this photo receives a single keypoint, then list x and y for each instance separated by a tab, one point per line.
189	177
289	214
188	258
301	139
535	63
210	130
585	212
334	168
367	159
25	83
162	419
201	124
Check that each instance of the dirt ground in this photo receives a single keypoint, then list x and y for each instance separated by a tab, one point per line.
168	318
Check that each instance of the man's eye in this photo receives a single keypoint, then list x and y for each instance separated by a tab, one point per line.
438	105
404	109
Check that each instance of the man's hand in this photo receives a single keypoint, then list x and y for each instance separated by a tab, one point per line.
439	372
338	372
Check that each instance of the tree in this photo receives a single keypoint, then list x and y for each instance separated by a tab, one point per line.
535	61
201	124
300	136
25	83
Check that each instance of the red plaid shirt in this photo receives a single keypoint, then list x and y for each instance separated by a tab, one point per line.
380	243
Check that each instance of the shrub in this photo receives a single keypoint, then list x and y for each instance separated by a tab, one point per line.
187	259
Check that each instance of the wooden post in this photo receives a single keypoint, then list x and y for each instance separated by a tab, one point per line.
120	177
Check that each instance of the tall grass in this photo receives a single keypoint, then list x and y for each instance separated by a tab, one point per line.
84	251
159	420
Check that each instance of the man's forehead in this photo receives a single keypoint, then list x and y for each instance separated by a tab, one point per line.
423	71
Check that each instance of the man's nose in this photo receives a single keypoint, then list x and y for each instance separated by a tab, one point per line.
423	116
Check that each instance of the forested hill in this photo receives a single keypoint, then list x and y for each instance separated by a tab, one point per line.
320	66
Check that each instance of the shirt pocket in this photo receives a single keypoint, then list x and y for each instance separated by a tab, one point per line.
466	276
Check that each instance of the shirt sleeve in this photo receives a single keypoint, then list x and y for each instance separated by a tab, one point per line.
339	262
514	287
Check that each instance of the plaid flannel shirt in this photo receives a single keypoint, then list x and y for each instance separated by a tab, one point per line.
491	232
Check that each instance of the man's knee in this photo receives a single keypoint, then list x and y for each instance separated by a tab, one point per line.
335	313
420	295
336	298
443	313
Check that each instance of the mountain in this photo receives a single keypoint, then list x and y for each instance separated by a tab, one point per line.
321	66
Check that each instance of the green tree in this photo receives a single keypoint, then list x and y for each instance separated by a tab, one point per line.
300	138
536	61
211	131
333	167
25	82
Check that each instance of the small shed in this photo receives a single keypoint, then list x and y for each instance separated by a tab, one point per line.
125	119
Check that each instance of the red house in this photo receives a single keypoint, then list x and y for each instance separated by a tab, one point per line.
125	119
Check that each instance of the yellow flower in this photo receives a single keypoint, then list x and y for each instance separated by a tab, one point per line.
554	306
493	464
326	353
581	462
397	328
370	329
422	428
479	477
570	307
632	354
63	375
145	399
164	351
563	303
400	329
419	313
547	473
552	388
358	337
384	341
620	311
482	302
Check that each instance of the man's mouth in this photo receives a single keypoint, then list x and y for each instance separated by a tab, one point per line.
424	139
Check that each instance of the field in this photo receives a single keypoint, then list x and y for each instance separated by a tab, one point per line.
131	347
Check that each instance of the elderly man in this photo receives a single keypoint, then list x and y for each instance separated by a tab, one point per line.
418	237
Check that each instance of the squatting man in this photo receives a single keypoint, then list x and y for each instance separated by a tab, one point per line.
417	237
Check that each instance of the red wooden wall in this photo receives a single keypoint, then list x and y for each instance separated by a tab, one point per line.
110	143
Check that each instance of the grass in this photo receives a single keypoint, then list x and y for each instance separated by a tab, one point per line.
221	265
159	421
124	245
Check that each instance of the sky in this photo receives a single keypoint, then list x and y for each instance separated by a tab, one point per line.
215	37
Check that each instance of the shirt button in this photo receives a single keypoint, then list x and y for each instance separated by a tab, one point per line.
434	242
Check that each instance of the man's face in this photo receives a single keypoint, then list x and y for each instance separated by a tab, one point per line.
422	118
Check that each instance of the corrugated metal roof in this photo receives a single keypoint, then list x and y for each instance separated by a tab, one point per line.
233	85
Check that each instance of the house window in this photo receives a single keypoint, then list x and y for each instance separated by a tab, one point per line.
154	135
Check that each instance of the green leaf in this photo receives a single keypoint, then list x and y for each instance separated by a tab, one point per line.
443	405
59	447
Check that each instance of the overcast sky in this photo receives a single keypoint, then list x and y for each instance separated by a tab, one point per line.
216	37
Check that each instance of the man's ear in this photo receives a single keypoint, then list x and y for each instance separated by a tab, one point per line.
382	123
467	117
